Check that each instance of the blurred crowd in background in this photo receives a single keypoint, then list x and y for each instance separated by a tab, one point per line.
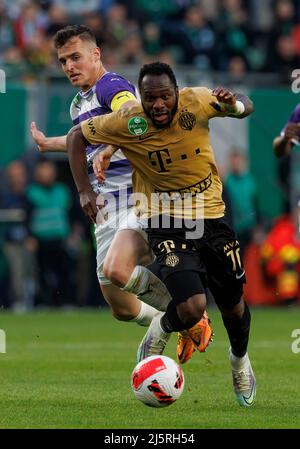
236	36
48	247
48	252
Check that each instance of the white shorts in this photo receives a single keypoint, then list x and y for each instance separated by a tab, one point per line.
105	232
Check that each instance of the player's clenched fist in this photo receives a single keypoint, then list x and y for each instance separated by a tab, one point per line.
227	102
224	95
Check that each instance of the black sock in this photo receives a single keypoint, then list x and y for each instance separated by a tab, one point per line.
170	321
238	332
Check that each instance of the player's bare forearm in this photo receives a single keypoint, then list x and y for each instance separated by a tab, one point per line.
47	144
76	144
55	144
248	104
281	146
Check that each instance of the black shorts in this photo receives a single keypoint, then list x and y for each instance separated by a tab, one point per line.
215	256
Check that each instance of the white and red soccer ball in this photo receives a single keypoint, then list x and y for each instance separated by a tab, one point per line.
157	381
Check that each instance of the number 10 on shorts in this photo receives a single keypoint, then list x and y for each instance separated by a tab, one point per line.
235	258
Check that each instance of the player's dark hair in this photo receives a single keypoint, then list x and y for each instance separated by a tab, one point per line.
62	36
157	69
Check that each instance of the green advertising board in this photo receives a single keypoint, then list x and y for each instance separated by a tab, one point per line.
12	123
272	110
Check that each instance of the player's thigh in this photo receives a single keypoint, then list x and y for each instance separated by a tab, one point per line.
174	253
224	265
129	248
124	306
130	245
104	235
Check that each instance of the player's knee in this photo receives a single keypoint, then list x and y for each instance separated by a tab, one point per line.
191	311
115	272
234	312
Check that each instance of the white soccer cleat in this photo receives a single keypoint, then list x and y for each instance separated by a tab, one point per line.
244	383
155	339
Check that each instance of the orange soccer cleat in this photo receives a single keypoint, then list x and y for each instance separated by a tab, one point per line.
185	347
197	337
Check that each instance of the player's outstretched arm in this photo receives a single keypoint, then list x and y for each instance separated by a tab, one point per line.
44	143
76	144
283	144
233	104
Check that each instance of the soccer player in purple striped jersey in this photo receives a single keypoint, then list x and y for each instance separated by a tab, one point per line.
289	165
289	136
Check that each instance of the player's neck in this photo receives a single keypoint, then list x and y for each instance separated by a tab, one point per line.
101	72
98	75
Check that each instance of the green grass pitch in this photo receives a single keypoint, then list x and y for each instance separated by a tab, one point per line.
72	370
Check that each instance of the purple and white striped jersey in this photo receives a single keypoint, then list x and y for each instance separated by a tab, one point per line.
294	118
94	102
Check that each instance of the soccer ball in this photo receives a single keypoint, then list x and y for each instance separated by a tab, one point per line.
157	381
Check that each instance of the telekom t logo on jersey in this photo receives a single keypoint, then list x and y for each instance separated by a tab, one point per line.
2	82
2	342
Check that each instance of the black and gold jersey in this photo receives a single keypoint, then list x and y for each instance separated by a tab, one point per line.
176	162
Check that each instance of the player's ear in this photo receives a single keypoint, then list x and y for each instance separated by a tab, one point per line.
97	53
